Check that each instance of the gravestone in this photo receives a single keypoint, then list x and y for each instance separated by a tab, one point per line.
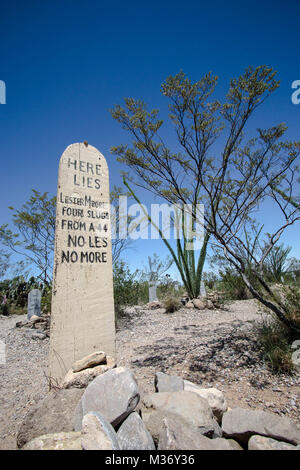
202	289
152	291
82	318
34	303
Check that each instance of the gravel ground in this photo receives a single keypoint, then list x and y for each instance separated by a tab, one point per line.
212	348
23	379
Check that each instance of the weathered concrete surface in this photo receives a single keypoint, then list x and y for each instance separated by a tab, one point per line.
82	320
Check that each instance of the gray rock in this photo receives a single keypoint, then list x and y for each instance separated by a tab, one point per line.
267	443
225	444
53	414
133	434
94	359
114	394
35	319
177	434
167	383
199	304
97	433
193	409
38	335
55	441
83	378
241	424
215	398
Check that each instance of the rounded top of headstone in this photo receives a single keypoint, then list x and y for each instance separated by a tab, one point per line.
84	151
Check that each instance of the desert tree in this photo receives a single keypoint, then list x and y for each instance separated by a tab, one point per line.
33	234
214	164
156	268
4	262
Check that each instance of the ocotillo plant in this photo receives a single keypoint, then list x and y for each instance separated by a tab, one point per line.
189	268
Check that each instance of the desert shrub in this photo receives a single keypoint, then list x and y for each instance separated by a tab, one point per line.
171	304
210	280
15	292
292	303
127	290
168	288
233	286
275	338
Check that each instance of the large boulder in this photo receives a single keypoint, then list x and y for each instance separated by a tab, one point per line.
241	424
133	434
97	433
215	398
114	395
267	443
177	434
55	441
53	414
193	409
168	383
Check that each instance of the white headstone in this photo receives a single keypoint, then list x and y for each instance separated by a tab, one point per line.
202	289
34	303
82	318
152	291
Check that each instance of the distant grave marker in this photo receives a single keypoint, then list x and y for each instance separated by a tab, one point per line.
82	318
202	289
152	291
34	303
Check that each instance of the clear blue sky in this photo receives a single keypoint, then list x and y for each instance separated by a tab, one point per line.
66	62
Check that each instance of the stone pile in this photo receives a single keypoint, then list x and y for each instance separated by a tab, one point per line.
211	301
180	415
38	326
85	370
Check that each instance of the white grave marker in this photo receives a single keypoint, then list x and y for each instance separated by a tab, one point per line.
34	303
82	319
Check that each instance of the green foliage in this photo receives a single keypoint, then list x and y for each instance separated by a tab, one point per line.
34	236
230	178
292	308
127	290
275	264
184	257
275	338
46	298
15	291
210	280
4	262
168	288
233	285
171	304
